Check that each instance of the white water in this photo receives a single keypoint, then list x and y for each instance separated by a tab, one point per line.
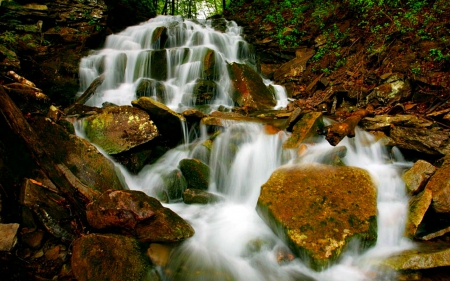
127	57
231	241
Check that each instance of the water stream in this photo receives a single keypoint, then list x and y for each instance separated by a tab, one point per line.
231	241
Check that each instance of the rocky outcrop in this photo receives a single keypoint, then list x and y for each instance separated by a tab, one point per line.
318	209
249	91
118	129
110	257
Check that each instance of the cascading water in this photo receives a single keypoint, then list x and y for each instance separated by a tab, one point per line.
167	58
231	241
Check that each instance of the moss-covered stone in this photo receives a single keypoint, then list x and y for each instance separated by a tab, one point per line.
118	129
110	257
318	209
304	129
418	206
196	173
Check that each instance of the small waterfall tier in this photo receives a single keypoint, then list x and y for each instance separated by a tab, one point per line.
178	62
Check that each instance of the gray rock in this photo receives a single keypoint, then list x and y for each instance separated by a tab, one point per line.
8	236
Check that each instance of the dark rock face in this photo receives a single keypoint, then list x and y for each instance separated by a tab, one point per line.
196	173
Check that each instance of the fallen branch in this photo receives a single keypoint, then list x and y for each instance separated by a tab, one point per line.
337	131
26	92
88	93
20	79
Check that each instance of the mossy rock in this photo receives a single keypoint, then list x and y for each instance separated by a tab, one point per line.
318	209
118	129
174	184
110	257
197	196
196	173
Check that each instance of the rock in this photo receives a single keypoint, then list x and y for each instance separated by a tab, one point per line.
193	115
174	184
436	234
121	128
439	184
168	122
417	177
159	254
110	257
50	209
209	70
384	122
136	159
294	67
428	141
82	158
137	214
153	89
293	118
154	65
8	60
159	37
249	91
198	196
430	255
116	209
304	129
318	209
390	92
196	173
33	239
204	91
8	236
418	206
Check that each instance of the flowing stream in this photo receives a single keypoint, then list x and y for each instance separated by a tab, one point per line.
231	241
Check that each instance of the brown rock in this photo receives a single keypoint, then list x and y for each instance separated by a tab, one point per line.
439	184
418	206
304	129
8	236
417	177
428	141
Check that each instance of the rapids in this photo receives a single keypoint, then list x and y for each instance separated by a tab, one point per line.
231	241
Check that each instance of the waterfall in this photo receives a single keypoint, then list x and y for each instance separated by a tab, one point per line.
166	58
231	241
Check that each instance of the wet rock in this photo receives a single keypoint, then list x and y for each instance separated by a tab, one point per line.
430	255
428	141
116	209
417	177
209	71
8	236
135	159
154	89
293	118
82	158
196	173
249	91
168	122
193	115
384	122
159	254
204	91
174	184
137	214
318	209
198	196
110	257
118	129
439	184
159	37
304	129
418	206
153	65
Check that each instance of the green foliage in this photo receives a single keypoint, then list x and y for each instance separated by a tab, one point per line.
8	38
438	56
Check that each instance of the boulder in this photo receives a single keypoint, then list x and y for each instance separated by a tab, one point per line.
418	206
425	256
198	196
137	214
172	188
121	128
429	141
8	236
110	257
304	129
209	68
152	88
249	91
417	177
81	158
153	65
439	184
196	173
168	122
318	209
